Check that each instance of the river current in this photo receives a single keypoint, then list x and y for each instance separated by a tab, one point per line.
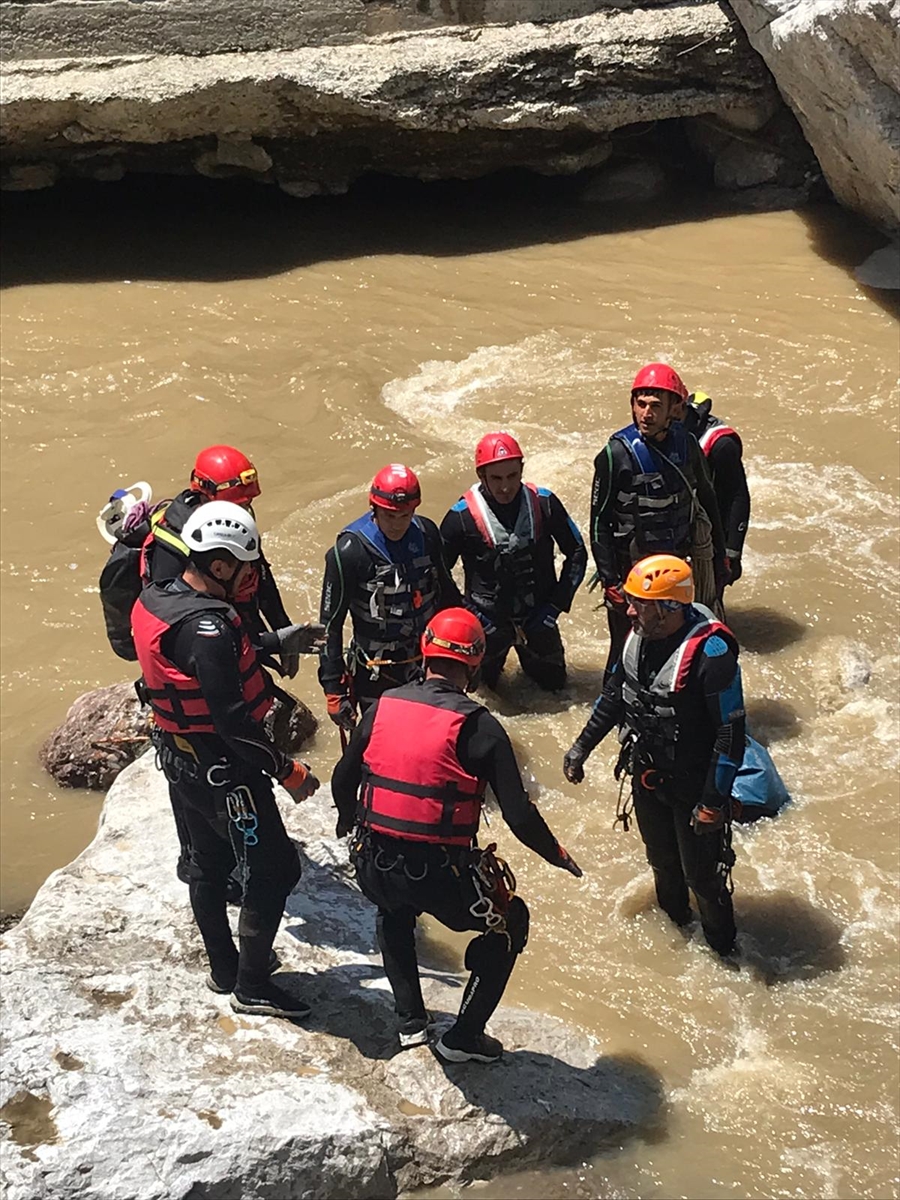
327	338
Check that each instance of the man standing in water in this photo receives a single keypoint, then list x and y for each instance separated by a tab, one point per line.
676	696
419	764
505	531
723	449
649	481
387	570
209	697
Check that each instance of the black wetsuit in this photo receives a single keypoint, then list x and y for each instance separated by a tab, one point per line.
614	480
519	594
707	754
405	878
202	770
726	465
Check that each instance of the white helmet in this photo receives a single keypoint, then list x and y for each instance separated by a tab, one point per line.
221	525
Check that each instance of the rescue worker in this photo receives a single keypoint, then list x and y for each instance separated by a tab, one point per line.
650	481
505	531
387	571
723	449
676	696
419	763
209	697
220	473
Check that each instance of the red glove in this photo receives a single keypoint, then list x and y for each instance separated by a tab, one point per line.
301	783
614	599
568	863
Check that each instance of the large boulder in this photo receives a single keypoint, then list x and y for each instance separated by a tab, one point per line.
123	1076
108	728
837	63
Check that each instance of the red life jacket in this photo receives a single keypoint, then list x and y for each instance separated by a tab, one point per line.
414	786
715	430
178	703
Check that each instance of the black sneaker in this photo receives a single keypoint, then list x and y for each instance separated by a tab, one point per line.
223	986
270	1001
414	1032
475	1047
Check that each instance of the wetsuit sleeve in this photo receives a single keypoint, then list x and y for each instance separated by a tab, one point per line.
452	537
719	676
270	603
730	482
347	775
484	749
448	594
607	713
706	494
336	588
571	544
207	647
607	470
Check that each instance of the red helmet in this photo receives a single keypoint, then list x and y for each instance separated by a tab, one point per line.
223	473
395	487
454	633
494	447
659	375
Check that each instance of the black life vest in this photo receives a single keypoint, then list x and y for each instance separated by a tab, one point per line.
653	712
413	784
178	703
511	551
654	515
392	606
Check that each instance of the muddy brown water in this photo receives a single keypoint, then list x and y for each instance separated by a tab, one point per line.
329	338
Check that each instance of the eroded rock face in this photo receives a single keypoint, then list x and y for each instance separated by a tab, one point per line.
313	112
837	63
107	729
124	1076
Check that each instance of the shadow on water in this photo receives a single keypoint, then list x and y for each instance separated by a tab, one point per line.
770	720
763	630
846	242
167	228
783	938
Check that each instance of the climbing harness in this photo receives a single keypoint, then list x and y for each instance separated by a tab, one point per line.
174	766
241	809
728	859
495	885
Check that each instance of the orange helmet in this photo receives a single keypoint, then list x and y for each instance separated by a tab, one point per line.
495	447
395	487
659	377
454	633
223	473
661	577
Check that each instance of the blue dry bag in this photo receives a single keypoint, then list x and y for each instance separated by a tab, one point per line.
758	785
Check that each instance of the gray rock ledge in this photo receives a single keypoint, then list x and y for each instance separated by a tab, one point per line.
123	1077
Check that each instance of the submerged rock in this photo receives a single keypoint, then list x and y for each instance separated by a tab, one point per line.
124	1076
108	728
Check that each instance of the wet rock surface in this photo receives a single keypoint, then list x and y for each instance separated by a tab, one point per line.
124	1076
108	728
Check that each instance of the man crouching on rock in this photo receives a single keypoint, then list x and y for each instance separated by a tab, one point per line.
419	763
209	697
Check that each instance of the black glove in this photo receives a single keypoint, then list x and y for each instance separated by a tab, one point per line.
341	710
544	617
486	623
343	826
573	764
705	819
733	564
568	863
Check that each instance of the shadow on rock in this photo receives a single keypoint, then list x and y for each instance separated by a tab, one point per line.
328	910
770	720
783	938
563	1111
764	630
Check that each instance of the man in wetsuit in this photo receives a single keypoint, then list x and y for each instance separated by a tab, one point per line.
506	531
723	449
648	482
414	777
209	697
676	696
387	571
220	473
